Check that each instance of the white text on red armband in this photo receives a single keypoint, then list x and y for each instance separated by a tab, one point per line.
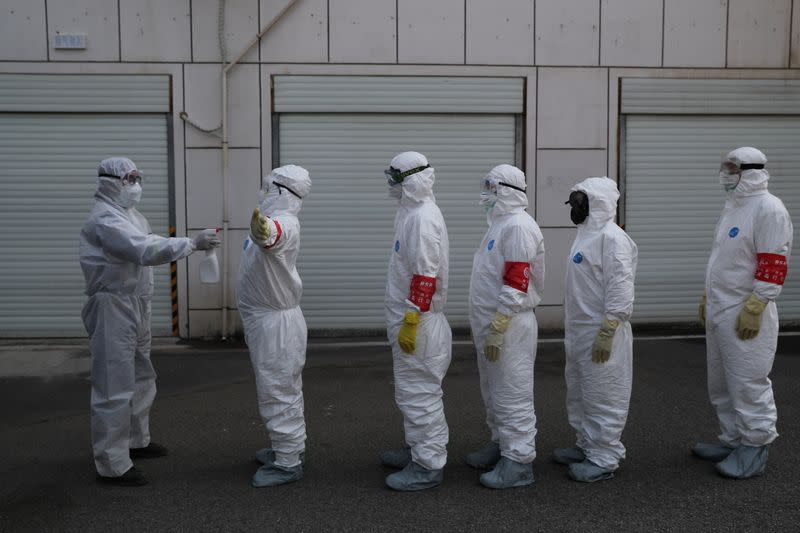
421	291
516	275
771	268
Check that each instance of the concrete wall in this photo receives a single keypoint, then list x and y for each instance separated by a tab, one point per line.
572	52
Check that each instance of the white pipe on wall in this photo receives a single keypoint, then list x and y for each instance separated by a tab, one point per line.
225	174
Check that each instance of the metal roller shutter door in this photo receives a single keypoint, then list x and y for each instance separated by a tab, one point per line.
673	200
48	167
348	219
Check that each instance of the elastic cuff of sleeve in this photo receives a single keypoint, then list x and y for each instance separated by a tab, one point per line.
411	317
610	324
754	305
500	322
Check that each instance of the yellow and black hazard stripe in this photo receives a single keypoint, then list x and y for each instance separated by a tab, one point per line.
173	283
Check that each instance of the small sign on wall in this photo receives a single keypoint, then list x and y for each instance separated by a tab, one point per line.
69	41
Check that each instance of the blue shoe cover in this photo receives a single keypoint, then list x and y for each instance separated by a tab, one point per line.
398	458
744	462
266	456
711	451
414	477
567	456
588	472
485	458
508	474
272	475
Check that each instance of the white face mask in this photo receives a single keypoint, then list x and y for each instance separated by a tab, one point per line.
395	191
130	195
487	201
729	181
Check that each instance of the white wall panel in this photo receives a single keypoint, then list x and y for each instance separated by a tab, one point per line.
694	33
430	32
556	172
22	30
631	32
758	33
557	244
153	30
572	108
98	19
241	26
204	186
300	36
567	32
363	32
204	105
500	32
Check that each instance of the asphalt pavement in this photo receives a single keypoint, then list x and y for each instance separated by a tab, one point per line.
206	414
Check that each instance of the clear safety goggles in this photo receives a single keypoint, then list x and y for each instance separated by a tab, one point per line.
395	176
134	176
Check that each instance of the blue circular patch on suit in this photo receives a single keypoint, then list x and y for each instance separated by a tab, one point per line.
733	232
491	245
246	244
396	246
577	258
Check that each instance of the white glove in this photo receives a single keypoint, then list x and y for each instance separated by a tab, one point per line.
207	239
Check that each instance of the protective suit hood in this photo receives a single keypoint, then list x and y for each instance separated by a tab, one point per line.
509	199
753	181
603	195
110	189
277	188
418	187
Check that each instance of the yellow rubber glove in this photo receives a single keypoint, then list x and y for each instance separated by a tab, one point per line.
701	311
259	228
601	349
408	332
749	320
495	338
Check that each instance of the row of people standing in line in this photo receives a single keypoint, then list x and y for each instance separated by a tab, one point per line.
506	286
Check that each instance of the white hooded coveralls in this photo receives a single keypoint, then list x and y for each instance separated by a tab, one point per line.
750	254
268	293
599	281
508	276
117	251
417	281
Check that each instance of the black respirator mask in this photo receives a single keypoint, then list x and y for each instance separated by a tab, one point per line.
579	203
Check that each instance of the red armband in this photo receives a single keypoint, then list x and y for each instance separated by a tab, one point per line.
771	268
278	236
517	275
421	291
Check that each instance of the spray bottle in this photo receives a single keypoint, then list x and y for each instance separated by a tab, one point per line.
209	265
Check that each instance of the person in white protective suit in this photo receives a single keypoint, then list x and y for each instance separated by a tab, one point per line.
420	337
506	285
117	251
744	277
598	301
269	292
